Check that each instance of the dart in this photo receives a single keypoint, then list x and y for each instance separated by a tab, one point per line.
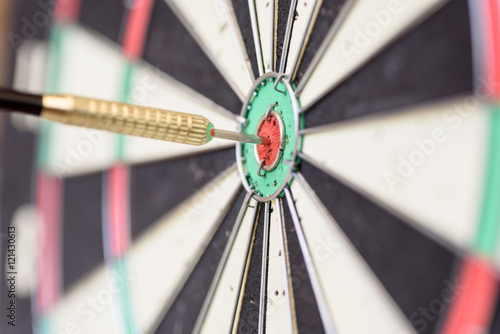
122	118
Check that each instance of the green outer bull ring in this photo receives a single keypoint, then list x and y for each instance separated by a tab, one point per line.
262	94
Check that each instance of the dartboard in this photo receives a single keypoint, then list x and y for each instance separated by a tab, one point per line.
375	209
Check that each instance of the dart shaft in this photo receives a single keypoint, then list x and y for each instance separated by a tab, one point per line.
27	103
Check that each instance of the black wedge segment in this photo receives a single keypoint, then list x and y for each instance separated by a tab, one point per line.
171	48
82	245
413	268
306	307
406	73
327	14
242	13
105	17
16	181
182	315
17	149
159	187
23	28
249	316
281	22
495	322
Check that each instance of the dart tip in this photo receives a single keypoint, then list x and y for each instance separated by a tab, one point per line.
264	141
239	137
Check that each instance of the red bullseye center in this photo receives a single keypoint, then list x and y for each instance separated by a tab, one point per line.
271	130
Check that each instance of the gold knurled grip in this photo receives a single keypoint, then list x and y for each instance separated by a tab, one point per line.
127	119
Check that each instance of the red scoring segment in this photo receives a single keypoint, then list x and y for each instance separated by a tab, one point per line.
271	130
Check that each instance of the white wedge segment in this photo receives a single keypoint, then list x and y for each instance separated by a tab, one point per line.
426	164
178	240
97	74
255	35
369	27
29	74
277	314
213	25
266	30
352	291
306	14
154	88
220	315
30	66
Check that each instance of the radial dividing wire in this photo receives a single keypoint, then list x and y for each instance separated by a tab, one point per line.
263	272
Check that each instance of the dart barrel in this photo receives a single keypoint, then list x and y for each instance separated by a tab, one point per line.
127	119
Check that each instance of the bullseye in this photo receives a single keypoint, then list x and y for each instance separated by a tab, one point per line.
271	128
